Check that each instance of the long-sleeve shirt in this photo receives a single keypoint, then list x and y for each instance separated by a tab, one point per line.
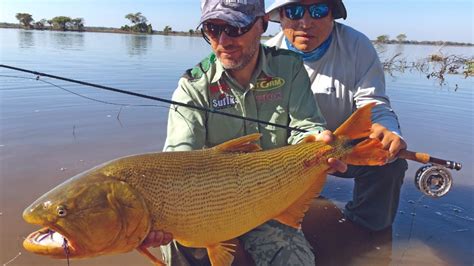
348	76
279	92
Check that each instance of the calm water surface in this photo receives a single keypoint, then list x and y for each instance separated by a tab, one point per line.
48	134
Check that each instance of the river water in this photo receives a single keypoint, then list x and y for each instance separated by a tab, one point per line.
48	134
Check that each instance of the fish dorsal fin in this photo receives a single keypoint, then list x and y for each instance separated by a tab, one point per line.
221	254
242	144
358	125
293	216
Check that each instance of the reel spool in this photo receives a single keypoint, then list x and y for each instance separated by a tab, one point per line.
433	180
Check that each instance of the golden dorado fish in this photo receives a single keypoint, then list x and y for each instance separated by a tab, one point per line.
202	197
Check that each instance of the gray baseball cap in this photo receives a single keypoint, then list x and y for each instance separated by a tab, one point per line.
337	8
238	13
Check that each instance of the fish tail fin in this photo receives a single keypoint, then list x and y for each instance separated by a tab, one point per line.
358	126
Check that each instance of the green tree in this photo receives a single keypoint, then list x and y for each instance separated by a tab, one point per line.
191	32
136	18
401	37
60	23
382	39
25	20
139	23
77	24
167	30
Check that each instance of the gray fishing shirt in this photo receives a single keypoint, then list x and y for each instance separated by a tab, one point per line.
348	76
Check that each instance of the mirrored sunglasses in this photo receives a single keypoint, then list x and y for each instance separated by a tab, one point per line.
296	11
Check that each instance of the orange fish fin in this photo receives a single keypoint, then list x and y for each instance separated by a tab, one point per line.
293	216
144	251
358	125
309	138
242	144
221	254
367	152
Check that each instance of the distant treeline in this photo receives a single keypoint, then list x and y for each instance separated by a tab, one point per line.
139	25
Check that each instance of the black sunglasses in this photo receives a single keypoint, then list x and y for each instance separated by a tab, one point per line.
296	11
214	31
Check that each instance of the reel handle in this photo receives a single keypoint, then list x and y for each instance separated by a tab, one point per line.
426	158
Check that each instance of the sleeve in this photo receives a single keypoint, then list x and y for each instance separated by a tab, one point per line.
304	112
370	86
186	126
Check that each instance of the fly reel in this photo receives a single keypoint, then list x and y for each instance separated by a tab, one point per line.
433	180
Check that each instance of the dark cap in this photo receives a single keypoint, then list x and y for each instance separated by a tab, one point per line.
337	8
239	13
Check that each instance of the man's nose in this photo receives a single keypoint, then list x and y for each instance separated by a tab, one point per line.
306	20
224	38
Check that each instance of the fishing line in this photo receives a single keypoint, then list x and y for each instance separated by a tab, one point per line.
207	110
100	101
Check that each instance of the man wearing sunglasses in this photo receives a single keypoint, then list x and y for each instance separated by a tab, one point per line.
345	74
243	77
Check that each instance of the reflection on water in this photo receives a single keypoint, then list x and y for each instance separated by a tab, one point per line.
26	39
48	135
168	41
137	44
68	40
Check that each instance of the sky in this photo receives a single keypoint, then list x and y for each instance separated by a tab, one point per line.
420	20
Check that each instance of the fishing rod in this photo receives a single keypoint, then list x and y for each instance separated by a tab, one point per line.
432	179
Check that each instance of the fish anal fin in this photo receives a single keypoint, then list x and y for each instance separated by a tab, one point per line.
293	216
367	152
145	252
358	125
221	254
242	144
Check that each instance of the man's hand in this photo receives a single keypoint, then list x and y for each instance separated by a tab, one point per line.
156	239
390	141
336	165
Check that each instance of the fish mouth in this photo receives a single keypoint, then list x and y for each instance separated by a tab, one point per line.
50	242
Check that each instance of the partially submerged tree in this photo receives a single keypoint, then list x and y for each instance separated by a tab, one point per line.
25	19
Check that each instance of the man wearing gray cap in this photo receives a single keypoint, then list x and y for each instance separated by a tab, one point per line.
345	74
243	77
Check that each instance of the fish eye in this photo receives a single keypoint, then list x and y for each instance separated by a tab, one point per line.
61	211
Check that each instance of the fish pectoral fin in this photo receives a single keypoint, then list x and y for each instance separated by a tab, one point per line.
144	251
367	152
358	125
242	144
293	216
221	254
308	139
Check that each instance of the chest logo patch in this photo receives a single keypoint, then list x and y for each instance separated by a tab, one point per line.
269	83
224	101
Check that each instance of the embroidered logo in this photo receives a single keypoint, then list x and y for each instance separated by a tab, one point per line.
224	101
269	97
269	83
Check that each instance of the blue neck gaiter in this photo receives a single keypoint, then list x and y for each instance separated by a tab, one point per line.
314	55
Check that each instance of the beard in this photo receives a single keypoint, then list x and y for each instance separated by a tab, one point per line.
244	60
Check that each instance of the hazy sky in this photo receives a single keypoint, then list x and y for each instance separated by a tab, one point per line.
431	20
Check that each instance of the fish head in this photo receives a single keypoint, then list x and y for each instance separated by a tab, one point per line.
89	215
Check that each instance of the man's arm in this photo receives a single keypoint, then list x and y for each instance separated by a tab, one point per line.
371	88
186	126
